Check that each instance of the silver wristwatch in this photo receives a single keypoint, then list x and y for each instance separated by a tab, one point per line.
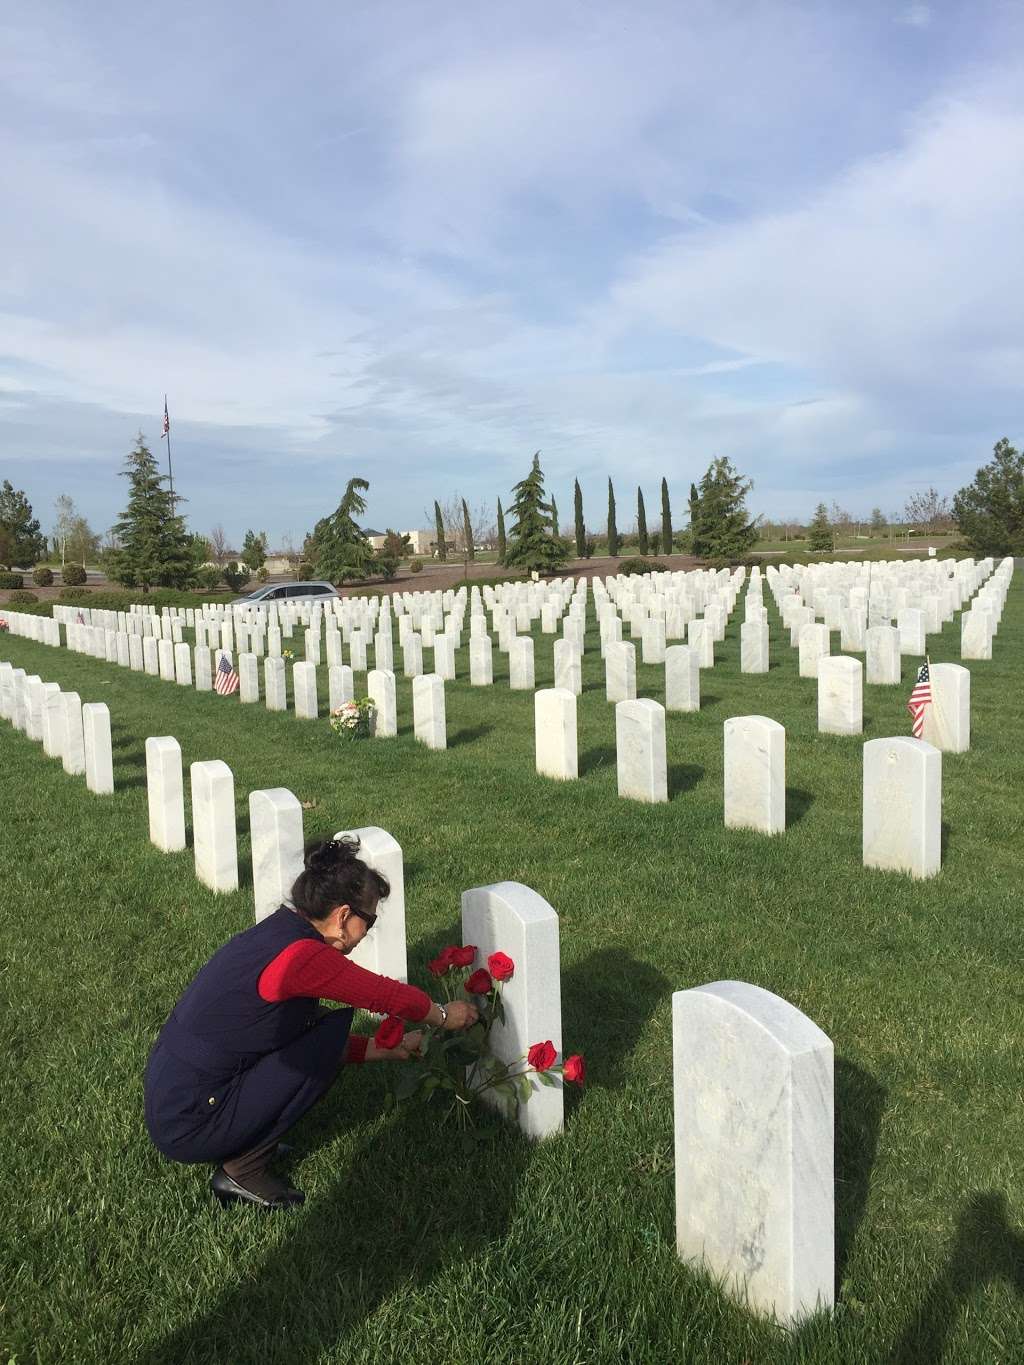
444	1012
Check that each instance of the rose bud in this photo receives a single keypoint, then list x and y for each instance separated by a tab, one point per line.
463	957
390	1033
542	1056
574	1069
500	966
479	983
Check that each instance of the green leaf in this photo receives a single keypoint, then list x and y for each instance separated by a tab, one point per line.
523	1088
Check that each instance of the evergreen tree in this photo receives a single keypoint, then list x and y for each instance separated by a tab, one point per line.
254	550
467	531
338	548
502	542
642	543
554	517
532	545
878	522
581	527
613	530
820	537
666	519
439	540
154	549
990	511
719	525
21	541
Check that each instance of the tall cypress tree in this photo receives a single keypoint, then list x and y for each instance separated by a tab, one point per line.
581	527
554	517
613	530
533	545
439	540
502	543
153	545
643	545
666	520
467	531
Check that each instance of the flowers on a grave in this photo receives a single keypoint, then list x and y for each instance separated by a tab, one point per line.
353	719
389	1033
287	653
574	1069
500	966
3	624
460	1066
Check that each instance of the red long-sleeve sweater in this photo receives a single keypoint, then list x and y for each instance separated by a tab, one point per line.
319	972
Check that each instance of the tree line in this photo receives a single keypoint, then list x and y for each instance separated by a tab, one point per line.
151	546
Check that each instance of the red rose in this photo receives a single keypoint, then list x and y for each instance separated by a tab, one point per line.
500	966
542	1056
479	983
463	957
390	1032
442	963
575	1069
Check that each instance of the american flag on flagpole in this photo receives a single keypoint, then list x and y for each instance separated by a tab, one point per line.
226	680
920	699
81	619
167	421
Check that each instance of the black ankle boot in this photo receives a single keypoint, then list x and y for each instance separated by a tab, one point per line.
265	1191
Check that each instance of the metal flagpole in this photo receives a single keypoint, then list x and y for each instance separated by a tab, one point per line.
170	470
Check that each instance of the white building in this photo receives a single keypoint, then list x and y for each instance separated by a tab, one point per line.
422	541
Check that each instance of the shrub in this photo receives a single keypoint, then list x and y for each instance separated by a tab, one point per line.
416	566
631	566
73	575
42	577
11	580
18	596
304	571
208	577
74	594
261	574
236	576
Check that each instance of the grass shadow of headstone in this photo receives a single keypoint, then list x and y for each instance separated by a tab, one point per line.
798	803
683	777
985	1248
607	999
859	1106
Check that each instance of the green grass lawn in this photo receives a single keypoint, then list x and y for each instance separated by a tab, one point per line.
411	1249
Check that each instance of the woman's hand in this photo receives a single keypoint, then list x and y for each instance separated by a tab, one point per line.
409	1045
461	1015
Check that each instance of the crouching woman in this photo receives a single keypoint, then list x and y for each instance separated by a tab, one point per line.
247	1050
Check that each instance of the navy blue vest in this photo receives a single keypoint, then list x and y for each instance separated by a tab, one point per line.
221	1024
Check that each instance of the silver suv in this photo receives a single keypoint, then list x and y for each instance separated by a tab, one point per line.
287	592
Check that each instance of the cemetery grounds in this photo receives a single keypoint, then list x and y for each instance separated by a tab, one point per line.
415	1247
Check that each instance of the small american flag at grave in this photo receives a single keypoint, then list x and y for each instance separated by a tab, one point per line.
226	680
920	700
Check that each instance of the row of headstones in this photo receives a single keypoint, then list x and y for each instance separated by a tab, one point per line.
76	734
752	1076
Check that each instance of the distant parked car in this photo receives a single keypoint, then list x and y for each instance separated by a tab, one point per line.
291	592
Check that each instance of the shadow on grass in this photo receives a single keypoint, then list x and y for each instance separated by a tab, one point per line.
859	1106
944	836
798	803
600	757
985	1248
398	1213
683	777
469	734
708	699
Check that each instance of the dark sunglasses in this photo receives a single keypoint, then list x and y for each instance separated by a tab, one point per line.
368	920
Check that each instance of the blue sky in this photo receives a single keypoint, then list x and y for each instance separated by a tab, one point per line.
418	242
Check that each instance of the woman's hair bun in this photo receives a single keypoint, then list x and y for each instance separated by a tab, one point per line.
331	854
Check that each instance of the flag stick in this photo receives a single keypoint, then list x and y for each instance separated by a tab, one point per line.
170	470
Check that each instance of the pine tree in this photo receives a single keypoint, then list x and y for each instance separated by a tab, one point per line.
254	550
666	519
467	531
532	545
502	543
718	514
21	541
990	511
153	546
613	530
441	543
338	547
820	537
642	543
581	527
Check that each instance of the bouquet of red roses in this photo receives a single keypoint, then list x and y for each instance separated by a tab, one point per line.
461	1066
